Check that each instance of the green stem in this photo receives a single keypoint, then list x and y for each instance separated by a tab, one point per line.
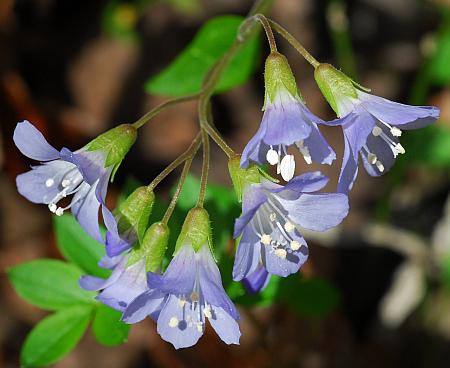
297	45
155	111
205	169
188	154
176	195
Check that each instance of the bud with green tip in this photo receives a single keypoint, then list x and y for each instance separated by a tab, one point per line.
152	248
286	122
129	221
196	230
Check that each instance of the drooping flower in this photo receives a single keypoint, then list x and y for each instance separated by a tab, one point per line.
83	174
125	283
193	291
286	122
272	216
129	221
372	125
128	279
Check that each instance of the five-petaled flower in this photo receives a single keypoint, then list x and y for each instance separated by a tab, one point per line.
83	174
193	294
372	125
286	121
271	218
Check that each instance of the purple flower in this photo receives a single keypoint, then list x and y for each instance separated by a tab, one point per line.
123	286
372	125
272	216
286	121
117	241
193	293
83	174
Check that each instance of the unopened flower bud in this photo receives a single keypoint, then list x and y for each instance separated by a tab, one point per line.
242	177
196	230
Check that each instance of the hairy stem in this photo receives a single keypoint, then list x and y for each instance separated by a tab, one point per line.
156	110
176	195
186	155
297	45
205	169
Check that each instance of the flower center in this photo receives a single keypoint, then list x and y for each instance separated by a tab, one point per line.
70	184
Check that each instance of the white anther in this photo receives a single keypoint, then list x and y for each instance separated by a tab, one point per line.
272	156
380	166
305	152
399	148
281	253
289	227
372	158
266	239
181	303
207	311
376	131
52	207
295	245
396	132
65	183
173	322
59	211
195	297
49	182
287	167
199	327
272	216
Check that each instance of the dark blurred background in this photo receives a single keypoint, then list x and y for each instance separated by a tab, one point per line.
77	68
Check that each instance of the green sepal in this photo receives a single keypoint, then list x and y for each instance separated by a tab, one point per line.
153	247
241	178
278	76
196	230
334	85
135	211
115	143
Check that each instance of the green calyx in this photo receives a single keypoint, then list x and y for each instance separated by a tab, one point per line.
278	76
241	178
196	230
334	85
133	213
152	248
115	143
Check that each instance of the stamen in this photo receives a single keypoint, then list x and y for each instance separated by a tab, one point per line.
199	327
287	167
372	158
376	131
304	151
207	311
379	166
52	207
182	303
279	156
266	239
295	245
272	216
195	297
65	183
173	322
49	182
400	148
289	227
272	156
281	253
396	132
59	211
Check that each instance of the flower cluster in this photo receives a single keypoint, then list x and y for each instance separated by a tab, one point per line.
189	292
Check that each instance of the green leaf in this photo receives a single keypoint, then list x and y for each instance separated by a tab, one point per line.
312	297
108	329
49	284
78	247
55	336
185	74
